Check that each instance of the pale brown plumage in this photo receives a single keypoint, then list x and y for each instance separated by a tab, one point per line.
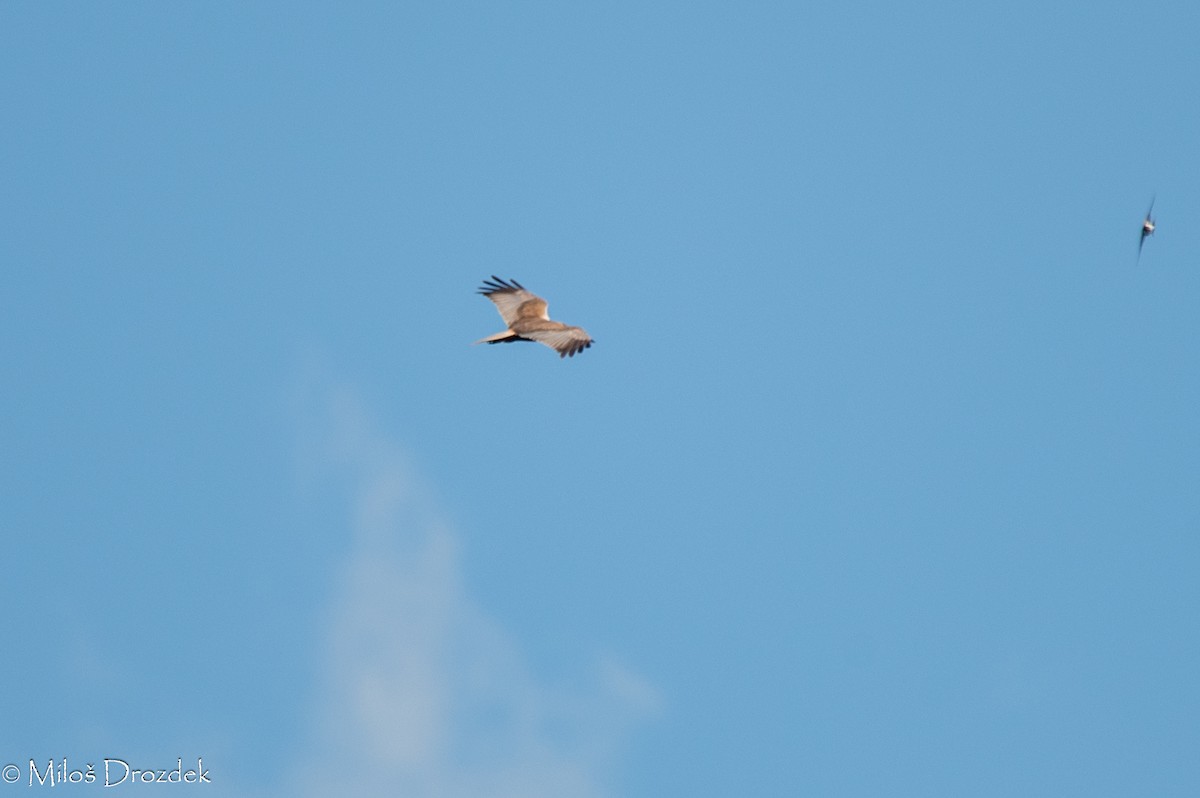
527	319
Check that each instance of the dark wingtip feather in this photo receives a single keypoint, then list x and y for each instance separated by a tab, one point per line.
496	285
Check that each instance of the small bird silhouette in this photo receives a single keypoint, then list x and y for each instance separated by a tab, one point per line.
1147	228
527	320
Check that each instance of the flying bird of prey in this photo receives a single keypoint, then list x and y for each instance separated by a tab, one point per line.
1147	228
527	320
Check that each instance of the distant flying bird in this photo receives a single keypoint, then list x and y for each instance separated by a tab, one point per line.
527	320
1147	228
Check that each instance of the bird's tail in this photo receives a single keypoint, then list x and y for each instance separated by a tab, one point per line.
501	338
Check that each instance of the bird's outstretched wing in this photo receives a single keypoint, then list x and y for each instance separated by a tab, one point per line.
562	338
513	301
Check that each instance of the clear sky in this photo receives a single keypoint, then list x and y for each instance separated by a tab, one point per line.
882	478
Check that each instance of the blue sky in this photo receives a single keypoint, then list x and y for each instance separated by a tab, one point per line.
881	478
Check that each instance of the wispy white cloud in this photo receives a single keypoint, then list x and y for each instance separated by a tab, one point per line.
424	694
